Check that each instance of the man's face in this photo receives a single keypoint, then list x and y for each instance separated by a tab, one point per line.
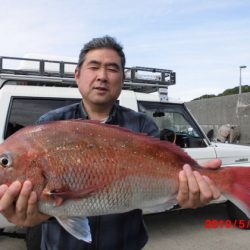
100	77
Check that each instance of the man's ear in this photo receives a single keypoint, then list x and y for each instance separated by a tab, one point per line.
77	75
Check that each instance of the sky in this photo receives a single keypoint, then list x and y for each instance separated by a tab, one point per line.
203	41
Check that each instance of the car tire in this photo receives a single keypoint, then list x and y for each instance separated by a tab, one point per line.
238	217
33	238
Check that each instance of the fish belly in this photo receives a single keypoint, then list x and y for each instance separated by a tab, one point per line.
123	195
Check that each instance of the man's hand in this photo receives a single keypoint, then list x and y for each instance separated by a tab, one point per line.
196	190
19	204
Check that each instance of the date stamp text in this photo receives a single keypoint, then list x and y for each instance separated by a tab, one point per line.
212	223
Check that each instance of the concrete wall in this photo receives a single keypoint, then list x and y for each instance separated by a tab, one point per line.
213	112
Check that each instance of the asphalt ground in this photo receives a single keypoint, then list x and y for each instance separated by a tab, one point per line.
207	228
183	229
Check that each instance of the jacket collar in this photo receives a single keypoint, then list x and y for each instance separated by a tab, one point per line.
84	115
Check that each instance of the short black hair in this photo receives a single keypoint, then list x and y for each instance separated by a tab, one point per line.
102	42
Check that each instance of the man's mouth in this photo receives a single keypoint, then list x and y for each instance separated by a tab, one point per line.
101	88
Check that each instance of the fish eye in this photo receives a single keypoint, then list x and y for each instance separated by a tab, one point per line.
5	161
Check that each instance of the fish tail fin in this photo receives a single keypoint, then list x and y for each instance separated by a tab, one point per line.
237	190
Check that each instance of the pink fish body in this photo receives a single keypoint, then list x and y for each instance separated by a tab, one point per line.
84	168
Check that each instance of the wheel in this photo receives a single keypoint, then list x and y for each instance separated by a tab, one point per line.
237	216
33	237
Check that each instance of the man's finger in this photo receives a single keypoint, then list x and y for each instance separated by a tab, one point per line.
33	215
194	191
213	164
215	191
183	193
22	201
206	194
32	209
6	203
3	189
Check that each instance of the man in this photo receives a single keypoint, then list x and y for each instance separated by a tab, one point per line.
99	76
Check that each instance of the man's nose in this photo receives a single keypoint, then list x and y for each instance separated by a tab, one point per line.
102	74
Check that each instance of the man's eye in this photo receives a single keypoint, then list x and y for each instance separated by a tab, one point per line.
113	69
93	67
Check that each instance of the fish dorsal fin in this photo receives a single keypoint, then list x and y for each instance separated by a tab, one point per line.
161	144
145	139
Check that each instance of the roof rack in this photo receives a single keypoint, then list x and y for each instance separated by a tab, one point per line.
61	73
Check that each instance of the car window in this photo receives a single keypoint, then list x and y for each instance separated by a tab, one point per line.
175	124
26	110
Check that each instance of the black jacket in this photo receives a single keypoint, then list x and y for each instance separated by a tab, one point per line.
110	232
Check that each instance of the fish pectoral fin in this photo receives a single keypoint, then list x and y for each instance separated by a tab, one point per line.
76	226
57	199
60	195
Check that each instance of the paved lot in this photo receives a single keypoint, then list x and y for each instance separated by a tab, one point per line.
7	243
179	230
186	230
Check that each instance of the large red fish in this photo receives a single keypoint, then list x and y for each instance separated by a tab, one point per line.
83	168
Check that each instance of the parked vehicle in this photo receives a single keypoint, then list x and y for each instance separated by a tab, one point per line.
31	87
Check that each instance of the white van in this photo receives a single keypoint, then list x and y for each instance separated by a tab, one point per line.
31	87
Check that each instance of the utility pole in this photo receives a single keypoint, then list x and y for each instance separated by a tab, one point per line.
241	67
